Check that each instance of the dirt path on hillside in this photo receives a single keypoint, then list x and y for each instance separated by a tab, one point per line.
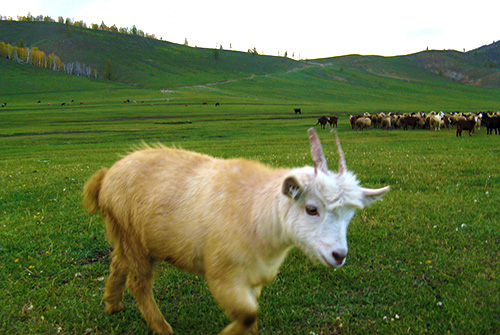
240	79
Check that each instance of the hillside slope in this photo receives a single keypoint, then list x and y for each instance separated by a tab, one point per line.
138	61
478	67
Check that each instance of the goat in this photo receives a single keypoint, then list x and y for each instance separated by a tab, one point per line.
322	121
362	123
465	125
491	123
435	122
386	123
297	111
231	220
412	121
332	120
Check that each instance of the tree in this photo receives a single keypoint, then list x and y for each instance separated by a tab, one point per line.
216	53
108	70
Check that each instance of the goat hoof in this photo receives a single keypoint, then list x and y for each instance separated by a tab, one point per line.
115	308
163	329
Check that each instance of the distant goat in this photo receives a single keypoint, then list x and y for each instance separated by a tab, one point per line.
322	121
465	125
492	123
233	221
332	120
297	111
362	123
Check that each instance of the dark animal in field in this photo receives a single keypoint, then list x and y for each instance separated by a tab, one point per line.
126	101
39	102
4	104
465	125
63	104
352	120
205	103
322	121
297	111
491	123
412	121
332	120
217	104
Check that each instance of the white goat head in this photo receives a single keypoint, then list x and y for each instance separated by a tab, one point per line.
324	203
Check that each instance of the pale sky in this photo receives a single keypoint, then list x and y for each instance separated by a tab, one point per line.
309	29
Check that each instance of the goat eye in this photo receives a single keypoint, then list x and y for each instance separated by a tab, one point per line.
312	210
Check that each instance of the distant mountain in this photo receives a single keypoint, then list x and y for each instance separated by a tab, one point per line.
150	63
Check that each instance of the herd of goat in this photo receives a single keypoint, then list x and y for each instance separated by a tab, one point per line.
432	121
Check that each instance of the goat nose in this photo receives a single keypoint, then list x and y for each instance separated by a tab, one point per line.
339	256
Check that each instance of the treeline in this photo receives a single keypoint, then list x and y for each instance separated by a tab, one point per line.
81	24
37	57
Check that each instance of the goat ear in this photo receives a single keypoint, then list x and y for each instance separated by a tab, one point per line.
371	195
317	152
342	165
292	188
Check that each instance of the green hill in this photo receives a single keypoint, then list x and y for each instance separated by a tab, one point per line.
444	80
138	61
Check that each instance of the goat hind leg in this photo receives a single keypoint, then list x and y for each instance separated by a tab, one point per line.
115	284
140	283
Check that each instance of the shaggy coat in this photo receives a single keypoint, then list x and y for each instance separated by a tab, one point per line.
232	221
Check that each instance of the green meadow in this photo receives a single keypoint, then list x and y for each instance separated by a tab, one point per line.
425	259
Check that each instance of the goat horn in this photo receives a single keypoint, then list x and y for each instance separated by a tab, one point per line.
342	165
317	152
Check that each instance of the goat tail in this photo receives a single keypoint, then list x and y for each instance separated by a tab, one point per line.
91	191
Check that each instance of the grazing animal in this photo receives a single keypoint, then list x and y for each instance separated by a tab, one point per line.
217	104
63	104
297	111
412	121
362	123
4	104
322	121
332	120
231	220
491	123
385	122
435	121
465	125
352	120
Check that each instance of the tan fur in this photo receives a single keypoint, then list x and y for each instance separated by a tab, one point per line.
232	221
151	200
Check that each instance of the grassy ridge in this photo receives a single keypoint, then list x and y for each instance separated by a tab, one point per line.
425	258
139	61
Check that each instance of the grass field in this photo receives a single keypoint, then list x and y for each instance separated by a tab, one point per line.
423	260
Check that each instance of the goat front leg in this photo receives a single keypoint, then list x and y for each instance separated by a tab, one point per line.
240	303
